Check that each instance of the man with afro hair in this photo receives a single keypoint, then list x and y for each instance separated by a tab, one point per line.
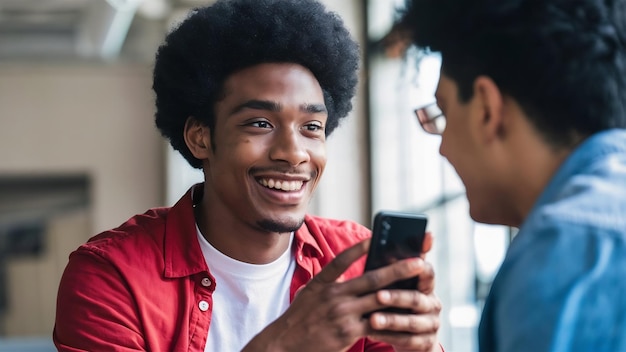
248	91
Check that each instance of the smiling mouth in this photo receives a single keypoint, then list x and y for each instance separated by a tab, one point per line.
284	185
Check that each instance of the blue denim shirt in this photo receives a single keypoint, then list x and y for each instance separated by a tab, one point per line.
562	285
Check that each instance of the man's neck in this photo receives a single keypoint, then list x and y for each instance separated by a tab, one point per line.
238	240
535	164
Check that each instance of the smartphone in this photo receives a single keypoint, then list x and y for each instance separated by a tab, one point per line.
396	236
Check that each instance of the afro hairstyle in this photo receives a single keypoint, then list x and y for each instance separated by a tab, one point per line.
216	41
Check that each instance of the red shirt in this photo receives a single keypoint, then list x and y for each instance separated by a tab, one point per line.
146	286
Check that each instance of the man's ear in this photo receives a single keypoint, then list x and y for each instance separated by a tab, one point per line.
491	103
198	138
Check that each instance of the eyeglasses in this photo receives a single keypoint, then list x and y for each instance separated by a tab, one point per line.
431	118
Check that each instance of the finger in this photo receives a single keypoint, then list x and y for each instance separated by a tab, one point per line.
407	342
358	306
426	282
342	261
377	279
428	242
413	300
411	323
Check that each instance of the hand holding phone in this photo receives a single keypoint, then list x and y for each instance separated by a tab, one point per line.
396	236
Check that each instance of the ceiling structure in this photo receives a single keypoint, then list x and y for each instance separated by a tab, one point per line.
86	29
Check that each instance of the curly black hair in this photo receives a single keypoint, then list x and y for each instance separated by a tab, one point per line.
216	41
563	61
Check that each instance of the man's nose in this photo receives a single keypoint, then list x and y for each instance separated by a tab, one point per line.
290	146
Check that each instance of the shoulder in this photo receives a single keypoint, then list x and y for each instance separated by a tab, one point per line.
555	252
590	187
142	233
560	275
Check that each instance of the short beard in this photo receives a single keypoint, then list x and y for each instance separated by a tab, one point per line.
280	227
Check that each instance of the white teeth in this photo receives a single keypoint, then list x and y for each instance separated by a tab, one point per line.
281	185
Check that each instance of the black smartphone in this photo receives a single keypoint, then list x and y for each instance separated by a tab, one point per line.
396	236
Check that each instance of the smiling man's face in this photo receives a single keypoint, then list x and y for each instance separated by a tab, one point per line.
269	146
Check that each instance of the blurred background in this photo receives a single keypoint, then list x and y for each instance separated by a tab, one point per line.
79	152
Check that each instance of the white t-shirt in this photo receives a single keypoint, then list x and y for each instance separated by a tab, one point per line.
247	297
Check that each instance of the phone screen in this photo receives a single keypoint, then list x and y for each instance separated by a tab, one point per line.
396	236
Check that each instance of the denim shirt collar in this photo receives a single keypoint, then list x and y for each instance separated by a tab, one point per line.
601	143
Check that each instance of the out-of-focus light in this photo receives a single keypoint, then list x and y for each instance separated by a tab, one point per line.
154	9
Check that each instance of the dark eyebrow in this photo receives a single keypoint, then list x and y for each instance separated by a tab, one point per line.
257	105
274	107
314	108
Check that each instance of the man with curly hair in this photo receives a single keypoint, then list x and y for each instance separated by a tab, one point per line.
248	91
533	93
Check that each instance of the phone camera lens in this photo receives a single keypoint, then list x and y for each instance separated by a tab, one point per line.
386	226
